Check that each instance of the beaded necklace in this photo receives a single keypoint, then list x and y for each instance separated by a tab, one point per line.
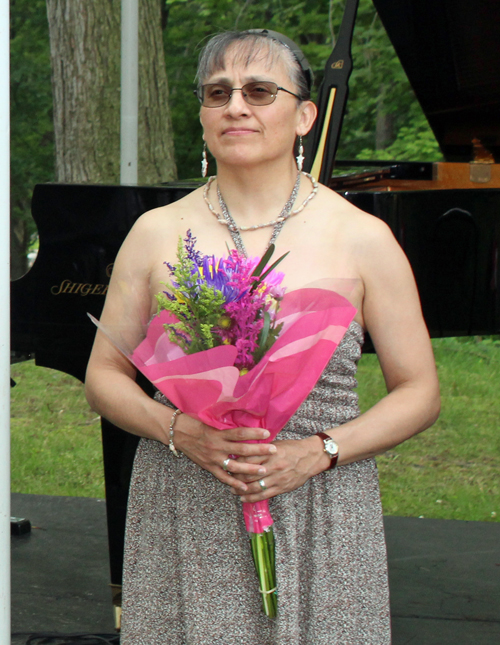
234	229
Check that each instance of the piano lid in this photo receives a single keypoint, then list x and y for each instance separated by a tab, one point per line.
450	51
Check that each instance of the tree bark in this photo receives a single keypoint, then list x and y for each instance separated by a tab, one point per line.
19	240
156	143
384	130
384	125
85	57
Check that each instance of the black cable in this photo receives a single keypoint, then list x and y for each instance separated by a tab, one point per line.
47	638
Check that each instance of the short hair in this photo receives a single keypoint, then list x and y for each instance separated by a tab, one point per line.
253	44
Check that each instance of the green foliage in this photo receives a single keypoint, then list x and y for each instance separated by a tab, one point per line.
206	307
32	139
268	336
414	141
196	306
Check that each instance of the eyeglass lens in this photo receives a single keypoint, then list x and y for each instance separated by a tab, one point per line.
218	94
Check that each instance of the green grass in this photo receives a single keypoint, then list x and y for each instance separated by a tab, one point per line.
450	471
55	436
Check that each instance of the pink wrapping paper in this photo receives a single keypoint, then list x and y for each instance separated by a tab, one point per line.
314	322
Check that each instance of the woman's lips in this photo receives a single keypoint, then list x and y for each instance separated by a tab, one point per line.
238	131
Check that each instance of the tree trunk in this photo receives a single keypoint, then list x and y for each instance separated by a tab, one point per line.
85	56
19	240
156	143
384	130
384	126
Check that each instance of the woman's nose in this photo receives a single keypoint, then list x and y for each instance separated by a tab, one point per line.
237	103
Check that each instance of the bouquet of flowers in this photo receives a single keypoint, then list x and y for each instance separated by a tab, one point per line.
253	352
226	301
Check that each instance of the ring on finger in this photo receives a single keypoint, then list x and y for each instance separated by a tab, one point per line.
262	484
225	464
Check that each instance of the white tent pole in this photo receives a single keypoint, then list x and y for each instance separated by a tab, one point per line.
4	328
129	104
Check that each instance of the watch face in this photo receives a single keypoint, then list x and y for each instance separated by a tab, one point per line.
331	448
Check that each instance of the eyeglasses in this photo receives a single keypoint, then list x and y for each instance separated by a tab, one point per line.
257	93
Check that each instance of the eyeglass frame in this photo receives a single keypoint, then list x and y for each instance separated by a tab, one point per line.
196	92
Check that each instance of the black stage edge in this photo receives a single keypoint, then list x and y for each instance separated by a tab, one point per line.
444	574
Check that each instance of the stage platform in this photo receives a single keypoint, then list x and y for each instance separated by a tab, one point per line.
444	575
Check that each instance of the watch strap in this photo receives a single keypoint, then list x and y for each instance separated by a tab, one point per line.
333	458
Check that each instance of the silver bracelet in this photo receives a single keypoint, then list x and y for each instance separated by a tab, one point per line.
176	452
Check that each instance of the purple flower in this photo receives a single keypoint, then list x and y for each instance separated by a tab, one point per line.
189	244
216	274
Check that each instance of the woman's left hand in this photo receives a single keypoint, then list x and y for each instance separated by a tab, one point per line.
294	462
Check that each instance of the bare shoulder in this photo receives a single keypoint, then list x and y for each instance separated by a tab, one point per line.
158	230
363	241
166	217
365	230
154	236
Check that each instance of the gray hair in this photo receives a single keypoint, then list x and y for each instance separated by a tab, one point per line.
251	47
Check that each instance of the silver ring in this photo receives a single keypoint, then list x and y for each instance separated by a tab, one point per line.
225	464
262	484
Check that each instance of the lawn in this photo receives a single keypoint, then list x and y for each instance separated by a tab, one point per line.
55	436
450	471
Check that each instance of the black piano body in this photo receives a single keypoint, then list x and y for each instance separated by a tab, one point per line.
445	216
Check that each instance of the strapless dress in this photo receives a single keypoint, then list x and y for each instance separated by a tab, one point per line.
189	577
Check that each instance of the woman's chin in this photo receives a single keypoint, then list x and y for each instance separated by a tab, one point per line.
244	159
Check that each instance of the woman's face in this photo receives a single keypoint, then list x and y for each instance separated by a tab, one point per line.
240	134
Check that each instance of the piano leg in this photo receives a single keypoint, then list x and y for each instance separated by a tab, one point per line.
118	453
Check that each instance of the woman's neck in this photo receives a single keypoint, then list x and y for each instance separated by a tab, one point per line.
255	195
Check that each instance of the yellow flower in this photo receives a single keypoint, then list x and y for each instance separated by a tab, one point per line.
225	322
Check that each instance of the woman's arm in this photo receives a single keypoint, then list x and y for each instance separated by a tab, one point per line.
110	382
392	315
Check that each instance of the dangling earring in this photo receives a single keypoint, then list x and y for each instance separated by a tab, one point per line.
300	157
204	161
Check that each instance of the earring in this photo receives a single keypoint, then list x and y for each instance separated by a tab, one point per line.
204	161
300	157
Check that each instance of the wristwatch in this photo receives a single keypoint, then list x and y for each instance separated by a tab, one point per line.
331	448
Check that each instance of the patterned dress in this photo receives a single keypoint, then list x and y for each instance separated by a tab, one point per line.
189	577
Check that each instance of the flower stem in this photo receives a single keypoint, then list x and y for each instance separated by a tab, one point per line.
262	545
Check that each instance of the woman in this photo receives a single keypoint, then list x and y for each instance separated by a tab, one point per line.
188	574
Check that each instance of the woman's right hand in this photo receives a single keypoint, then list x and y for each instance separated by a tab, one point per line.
209	448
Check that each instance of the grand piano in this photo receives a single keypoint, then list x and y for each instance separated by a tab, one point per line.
446	216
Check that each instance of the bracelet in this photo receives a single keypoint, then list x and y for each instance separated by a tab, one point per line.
171	433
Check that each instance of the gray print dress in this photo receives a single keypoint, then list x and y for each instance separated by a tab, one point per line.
189	577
